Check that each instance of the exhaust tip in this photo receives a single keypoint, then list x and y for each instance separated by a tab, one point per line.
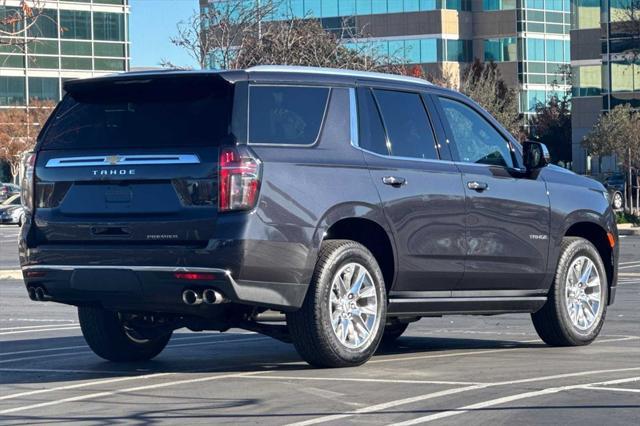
191	298
32	293
209	296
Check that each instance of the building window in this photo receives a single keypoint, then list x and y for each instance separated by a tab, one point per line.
625	77
108	26
587	80
45	26
498	4
12	90
586	14
44	89
500	49
75	24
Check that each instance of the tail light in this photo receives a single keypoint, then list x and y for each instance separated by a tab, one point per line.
26	182
239	178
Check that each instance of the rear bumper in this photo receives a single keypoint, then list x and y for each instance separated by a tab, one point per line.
154	288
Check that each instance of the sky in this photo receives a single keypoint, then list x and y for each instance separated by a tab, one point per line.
152	23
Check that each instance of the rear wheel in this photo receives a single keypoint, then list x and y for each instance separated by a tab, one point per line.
339	324
114	339
577	303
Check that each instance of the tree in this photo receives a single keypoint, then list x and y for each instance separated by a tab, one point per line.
616	133
235	35
19	128
304	42
21	20
219	31
551	125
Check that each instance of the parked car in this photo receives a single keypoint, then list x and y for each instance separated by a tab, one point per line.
7	190
11	210
615	185
347	204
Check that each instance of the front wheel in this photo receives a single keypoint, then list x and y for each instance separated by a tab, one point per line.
577	302
617	201
339	323
112	338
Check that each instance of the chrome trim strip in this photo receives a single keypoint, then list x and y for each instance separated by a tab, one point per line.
353	118
123	160
135	268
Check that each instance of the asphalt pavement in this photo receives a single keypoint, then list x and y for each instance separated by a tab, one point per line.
451	370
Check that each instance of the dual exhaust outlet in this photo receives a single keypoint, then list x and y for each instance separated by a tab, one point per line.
38	293
208	296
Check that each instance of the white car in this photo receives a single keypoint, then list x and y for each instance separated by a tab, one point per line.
11	210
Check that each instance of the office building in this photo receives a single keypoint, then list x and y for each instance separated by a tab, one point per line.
70	39
605	61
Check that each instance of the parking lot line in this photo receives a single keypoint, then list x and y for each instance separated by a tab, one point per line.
356	379
128	390
61	370
41	330
31	327
506	399
84	385
88	352
614	389
405	401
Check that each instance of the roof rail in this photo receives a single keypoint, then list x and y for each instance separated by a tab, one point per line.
338	72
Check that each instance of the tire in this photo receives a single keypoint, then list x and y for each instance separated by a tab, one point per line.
617	201
554	322
311	328
107	337
393	331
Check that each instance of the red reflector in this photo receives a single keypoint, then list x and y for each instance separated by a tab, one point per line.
194	276
35	274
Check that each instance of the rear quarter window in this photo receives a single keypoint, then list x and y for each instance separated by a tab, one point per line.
286	115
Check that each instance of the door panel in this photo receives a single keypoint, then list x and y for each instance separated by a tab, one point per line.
507	231
507	213
422	197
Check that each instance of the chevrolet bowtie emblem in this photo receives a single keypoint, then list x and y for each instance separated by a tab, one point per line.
113	159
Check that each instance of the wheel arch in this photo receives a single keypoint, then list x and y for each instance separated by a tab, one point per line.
371	234
597	235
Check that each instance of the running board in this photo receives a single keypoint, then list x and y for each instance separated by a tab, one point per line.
438	306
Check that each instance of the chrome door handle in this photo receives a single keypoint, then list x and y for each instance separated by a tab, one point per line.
394	181
477	186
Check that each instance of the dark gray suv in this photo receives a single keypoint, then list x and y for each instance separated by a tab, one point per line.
347	204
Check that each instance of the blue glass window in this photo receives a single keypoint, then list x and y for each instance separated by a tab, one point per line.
412	51
330	8
427	4
429	50
535	49
363	7
378	6
347	7
313	7
411	5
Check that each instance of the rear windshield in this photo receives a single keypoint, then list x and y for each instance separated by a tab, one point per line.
142	114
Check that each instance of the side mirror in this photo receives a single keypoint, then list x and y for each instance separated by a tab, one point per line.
536	155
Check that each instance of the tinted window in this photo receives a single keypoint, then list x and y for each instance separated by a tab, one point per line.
146	114
407	124
286	115
371	133
476	139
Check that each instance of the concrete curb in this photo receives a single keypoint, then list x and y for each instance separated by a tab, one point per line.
628	229
11	274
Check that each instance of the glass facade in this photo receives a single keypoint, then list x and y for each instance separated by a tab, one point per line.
334	8
418	50
501	49
83	38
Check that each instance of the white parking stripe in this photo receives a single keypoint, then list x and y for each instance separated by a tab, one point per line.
614	389
62	370
86	352
506	399
84	385
128	390
385	406
629	263
405	401
70	327
356	379
173	340
31	327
